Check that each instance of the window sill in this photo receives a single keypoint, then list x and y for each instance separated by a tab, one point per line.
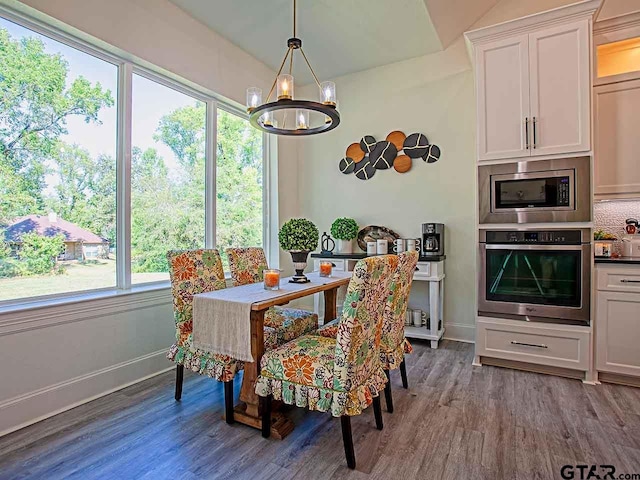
45	311
41	313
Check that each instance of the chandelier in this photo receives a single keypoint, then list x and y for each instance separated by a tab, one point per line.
288	115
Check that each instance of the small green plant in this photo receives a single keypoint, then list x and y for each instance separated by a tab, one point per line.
298	234
602	235
344	228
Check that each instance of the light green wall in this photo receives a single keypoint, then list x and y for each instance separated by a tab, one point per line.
433	95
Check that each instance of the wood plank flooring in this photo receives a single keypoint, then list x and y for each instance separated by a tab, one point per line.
455	422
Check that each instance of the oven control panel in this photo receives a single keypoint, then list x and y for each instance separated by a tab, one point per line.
535	237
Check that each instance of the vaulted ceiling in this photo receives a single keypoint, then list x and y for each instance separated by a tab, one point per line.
339	36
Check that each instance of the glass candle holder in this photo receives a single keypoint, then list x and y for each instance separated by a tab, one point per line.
328	93
254	98
272	279
302	119
267	119
325	269
285	87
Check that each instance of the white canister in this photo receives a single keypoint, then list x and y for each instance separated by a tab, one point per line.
412	244
382	247
371	248
417	318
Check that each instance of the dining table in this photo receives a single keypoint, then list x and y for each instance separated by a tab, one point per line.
248	411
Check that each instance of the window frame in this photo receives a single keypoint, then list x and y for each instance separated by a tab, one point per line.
128	65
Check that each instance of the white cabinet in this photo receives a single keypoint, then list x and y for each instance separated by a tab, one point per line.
618	320
538	343
533	85
560	88
503	98
617	143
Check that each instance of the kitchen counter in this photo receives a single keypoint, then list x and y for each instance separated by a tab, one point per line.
619	260
358	256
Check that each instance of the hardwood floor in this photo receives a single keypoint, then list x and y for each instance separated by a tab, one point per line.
455	422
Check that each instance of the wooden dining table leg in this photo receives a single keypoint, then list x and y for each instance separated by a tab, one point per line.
248	411
330	307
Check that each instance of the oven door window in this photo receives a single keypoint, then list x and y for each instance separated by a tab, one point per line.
534	276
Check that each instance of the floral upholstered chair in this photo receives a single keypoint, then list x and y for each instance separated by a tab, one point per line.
393	344
247	266
343	375
193	272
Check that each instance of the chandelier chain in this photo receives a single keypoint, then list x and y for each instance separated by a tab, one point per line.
294	17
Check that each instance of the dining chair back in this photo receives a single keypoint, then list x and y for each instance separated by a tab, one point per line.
246	264
192	272
342	374
393	344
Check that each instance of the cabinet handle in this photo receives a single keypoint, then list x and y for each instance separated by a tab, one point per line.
542	345
526	131
624	280
535	141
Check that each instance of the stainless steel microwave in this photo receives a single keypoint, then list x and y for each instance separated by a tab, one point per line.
536	191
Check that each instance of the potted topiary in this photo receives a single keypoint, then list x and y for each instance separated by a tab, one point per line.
299	236
345	230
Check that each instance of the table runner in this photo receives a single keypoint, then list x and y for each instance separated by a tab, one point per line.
221	319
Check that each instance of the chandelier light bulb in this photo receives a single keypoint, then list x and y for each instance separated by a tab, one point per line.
285	87
254	98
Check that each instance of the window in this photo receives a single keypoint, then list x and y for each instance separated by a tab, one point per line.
57	167
239	215
167	177
63	168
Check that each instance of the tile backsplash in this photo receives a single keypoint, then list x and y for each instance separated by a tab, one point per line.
610	217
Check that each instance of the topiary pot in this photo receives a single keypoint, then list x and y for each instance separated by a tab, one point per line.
345	246
299	258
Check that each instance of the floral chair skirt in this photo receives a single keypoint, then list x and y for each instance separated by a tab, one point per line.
390	358
301	373
220	367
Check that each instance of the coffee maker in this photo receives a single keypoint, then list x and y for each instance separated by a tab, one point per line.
432	239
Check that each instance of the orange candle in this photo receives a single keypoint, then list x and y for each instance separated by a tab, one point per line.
272	279
325	269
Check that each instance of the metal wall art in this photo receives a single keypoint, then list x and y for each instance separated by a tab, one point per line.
397	151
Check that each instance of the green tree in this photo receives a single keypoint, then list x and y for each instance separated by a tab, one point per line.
39	253
35	101
85	191
239	182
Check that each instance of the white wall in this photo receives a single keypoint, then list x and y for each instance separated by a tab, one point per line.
431	95
56	357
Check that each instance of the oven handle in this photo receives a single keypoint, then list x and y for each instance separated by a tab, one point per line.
493	246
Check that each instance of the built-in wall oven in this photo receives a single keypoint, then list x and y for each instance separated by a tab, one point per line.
536	275
536	191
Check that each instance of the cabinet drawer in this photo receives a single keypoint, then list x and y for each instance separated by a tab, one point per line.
619	278
423	269
553	345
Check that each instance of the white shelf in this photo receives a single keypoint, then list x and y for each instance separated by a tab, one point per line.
422	333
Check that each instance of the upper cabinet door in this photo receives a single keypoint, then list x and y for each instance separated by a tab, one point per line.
502	81
617	143
560	89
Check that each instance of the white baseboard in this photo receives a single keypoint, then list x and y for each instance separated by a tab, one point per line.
460	332
24	410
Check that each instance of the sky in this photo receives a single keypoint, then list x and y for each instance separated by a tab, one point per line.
150	102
